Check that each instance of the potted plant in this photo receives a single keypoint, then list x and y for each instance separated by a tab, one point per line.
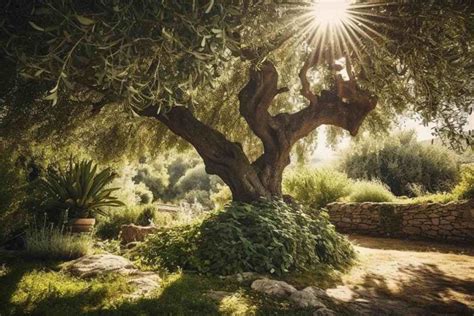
81	192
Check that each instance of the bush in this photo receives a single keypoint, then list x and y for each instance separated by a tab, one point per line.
109	226
316	187
465	188
265	237
49	242
201	197
400	162
371	191
11	196
195	178
221	197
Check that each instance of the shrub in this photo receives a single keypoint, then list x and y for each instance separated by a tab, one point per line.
195	178
80	189
50	242
201	197
371	191
11	195
109	226
316	187
465	188
221	197
401	161
265	237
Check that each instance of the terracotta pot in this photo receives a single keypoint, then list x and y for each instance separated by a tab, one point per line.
82	225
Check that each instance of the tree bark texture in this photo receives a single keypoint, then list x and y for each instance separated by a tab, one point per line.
345	107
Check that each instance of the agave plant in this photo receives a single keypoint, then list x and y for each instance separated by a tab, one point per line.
80	189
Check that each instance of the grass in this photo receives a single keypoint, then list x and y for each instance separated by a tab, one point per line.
52	242
38	288
370	191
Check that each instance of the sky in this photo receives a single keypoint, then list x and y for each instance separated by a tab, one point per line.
324	154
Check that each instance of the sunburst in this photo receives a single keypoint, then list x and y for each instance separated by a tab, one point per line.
338	28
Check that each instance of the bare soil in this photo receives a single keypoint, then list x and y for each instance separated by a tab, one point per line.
416	277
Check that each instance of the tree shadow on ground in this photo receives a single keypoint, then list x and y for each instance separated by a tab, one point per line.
426	290
412	245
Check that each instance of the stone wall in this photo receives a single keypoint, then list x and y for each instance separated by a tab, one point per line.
451	221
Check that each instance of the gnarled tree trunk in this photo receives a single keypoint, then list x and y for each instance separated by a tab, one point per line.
346	107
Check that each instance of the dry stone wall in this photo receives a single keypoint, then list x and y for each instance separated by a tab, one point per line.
451	221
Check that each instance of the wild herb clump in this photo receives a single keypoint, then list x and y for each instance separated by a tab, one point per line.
316	187
265	237
47	241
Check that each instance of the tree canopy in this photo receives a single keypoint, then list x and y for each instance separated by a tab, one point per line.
264	74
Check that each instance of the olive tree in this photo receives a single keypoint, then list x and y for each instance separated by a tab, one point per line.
284	67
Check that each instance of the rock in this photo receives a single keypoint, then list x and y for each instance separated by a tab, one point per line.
218	295
145	283
307	297
94	265
242	277
324	312
131	232
273	287
342	293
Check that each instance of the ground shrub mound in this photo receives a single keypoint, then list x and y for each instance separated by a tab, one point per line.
265	237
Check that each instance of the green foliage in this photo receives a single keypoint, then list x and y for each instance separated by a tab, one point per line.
195	178
221	197
266	237
465	188
400	162
11	195
199	197
370	191
434	198
50	242
109	226
80	189
316	187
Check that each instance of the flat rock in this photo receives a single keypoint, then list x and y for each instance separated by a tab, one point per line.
100	264
273	287
307	297
145	283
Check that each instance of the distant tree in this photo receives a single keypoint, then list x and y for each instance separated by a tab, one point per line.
204	68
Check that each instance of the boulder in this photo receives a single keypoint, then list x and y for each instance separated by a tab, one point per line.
307	297
95	265
272	287
131	232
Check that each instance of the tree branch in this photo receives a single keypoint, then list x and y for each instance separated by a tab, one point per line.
221	156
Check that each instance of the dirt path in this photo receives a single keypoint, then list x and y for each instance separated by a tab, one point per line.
418	278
